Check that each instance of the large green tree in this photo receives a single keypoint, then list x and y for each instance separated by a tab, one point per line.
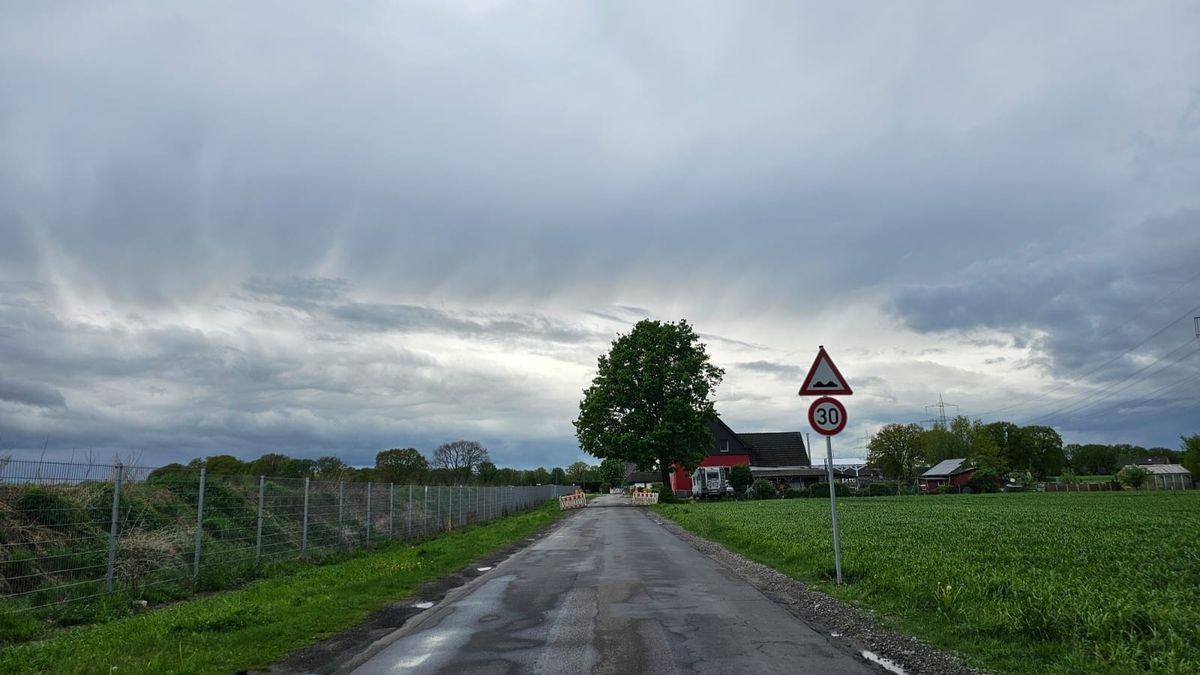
400	465
896	450
1045	449
612	471
577	472
650	402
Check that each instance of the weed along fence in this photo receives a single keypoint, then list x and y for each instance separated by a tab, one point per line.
73	532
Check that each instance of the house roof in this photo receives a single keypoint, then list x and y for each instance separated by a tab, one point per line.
776	448
721	432
1166	469
785	471
946	467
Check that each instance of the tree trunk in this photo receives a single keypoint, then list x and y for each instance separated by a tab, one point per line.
665	470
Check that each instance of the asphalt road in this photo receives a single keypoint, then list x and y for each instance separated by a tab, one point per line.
609	592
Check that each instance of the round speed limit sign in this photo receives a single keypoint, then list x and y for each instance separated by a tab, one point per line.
827	416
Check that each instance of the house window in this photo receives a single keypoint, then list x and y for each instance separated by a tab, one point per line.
725	445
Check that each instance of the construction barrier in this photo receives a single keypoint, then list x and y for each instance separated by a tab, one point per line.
574	501
645	498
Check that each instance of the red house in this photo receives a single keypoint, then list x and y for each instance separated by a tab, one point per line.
779	457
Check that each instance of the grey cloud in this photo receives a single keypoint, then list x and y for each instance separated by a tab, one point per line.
1085	311
31	393
161	173
430	157
1082	306
328	300
781	370
741	344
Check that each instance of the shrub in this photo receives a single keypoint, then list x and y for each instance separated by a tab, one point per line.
822	490
740	478
947	489
880	490
762	489
1132	476
49	508
984	479
793	493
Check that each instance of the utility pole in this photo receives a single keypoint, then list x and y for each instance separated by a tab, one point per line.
940	419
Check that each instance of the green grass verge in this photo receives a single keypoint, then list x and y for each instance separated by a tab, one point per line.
267	619
1020	583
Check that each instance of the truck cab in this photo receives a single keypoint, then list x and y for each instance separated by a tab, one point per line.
711	482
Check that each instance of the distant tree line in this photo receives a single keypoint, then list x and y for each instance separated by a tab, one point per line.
899	450
456	463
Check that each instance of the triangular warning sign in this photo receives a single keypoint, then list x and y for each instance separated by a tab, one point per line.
824	378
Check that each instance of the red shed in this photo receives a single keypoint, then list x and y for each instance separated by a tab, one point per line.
953	472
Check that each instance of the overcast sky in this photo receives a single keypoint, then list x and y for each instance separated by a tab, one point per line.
333	228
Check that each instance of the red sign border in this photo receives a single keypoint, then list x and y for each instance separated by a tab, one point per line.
822	354
812	423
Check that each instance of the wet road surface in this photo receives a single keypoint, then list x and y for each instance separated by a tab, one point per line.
609	592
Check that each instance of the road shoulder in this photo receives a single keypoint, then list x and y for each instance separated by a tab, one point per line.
850	625
341	651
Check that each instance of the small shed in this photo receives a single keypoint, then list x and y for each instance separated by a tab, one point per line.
953	472
1167	477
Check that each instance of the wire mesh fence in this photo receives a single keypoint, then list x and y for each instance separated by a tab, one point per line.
71	533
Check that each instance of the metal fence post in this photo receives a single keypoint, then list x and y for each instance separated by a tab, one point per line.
112	530
368	512
341	501
304	528
262	491
437	498
199	525
408	515
425	514
391	510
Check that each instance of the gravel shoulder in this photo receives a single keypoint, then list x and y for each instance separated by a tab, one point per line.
827	614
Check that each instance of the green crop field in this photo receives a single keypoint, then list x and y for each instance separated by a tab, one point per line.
1022	583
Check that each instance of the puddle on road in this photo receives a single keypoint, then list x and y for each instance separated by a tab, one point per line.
483	569
886	663
423	605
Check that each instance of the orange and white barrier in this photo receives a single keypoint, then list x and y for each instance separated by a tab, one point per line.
574	501
645	498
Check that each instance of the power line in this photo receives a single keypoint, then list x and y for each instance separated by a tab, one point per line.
1109	362
1154	395
1114	387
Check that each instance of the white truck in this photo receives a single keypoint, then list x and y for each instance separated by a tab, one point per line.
711	482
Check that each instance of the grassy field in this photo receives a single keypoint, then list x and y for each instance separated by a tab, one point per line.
232	631
1022	583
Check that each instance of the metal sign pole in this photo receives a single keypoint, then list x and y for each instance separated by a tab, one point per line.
837	545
